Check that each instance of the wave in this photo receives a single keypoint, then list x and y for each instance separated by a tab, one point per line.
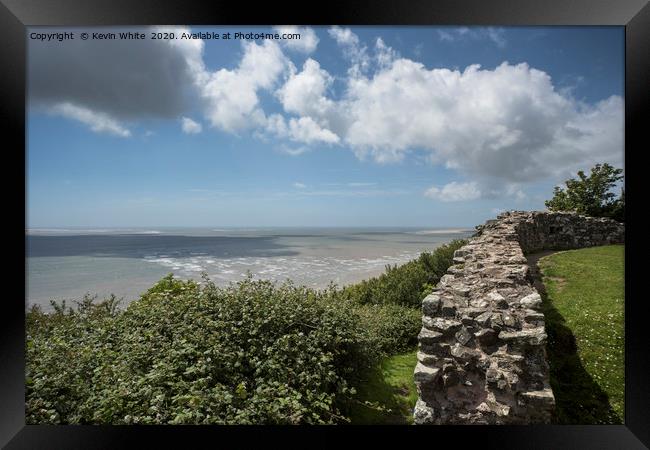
314	271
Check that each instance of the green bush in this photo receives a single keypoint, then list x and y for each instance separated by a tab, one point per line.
253	352
391	328
407	284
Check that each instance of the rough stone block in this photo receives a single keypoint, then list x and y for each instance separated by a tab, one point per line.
486	336
428	337
426	359
445	326
484	319
531	336
448	308
422	413
533	301
543	397
425	374
431	304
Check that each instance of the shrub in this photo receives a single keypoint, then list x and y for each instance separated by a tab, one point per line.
253	352
391	328
64	351
407	284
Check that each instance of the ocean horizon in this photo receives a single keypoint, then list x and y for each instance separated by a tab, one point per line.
65	263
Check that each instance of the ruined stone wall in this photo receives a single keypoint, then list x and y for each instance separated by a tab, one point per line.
482	357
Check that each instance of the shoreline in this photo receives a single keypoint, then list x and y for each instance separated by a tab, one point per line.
354	278
69	268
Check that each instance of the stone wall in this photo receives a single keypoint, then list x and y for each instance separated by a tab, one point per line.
482	356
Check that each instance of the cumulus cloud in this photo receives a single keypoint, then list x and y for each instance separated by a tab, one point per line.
299	185
344	36
306	44
508	122
304	130
98	122
454	192
304	92
232	95
189	126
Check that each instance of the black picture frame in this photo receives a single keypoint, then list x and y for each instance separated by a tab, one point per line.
634	15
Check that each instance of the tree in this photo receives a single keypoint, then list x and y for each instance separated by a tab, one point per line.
591	195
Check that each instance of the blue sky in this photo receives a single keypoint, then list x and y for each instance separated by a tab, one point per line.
362	126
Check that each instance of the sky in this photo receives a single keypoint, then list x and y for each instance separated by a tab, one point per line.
361	126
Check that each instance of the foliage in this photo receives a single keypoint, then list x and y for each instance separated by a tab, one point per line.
584	310
407	284
253	352
391	328
249	353
591	195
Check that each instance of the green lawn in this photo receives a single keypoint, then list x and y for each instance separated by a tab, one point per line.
391	391
584	319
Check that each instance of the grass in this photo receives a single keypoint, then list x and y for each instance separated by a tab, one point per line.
584	308
391	392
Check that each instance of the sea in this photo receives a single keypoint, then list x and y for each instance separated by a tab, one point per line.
68	263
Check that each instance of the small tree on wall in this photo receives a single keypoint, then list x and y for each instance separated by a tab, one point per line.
591	195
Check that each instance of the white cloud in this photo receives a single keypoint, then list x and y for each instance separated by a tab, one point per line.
492	188
507	123
304	130
231	95
97	121
454	192
352	47
189	126
299	185
384	54
307	42
304	92
343	36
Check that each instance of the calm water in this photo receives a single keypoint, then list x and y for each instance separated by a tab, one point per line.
67	263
